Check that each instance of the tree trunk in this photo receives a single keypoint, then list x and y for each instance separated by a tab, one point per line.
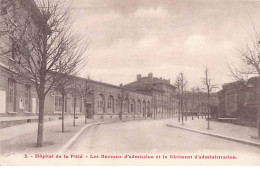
86	112
62	112
181	112
154	113
121	111
208	110
134	111
258	106
40	123
74	116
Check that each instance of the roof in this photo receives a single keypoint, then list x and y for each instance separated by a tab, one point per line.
109	85
148	84
142	87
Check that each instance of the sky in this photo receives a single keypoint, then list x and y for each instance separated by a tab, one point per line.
165	37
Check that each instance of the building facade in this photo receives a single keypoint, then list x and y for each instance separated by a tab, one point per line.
196	103
147	97
15	97
103	101
162	92
238	100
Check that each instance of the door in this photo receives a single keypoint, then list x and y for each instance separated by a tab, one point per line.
11	95
2	102
89	110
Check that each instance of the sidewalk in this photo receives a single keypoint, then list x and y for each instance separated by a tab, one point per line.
22	138
226	131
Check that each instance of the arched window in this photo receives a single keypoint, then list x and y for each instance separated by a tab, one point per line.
110	104
144	107
132	106
118	102
148	109
126	106
101	103
139	106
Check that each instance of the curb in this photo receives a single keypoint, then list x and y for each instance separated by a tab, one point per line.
219	136
76	136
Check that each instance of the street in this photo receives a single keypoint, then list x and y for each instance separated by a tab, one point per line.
154	137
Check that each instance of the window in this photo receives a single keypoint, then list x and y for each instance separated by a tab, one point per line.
77	106
139	106
110	104
132	106
101	103
118	104
58	103
11	89
126	106
27	100
27	94
144	107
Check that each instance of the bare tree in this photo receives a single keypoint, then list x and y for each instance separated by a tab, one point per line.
198	95
208	86
46	50
63	86
11	21
86	89
249	56
181	84
193	102
122	97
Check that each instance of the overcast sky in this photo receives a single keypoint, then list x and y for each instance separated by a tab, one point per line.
165	37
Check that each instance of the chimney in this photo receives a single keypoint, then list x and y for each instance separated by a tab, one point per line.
150	75
138	77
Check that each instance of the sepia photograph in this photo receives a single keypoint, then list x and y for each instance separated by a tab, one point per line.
129	83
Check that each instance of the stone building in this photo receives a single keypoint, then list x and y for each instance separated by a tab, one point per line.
238	100
196	103
102	100
163	102
147	97
16	98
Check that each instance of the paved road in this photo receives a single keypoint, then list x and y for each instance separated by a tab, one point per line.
155	137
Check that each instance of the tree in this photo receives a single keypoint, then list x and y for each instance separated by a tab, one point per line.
121	97
198	97
249	56
180	84
193	102
208	86
86	89
45	50
62	86
11	21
